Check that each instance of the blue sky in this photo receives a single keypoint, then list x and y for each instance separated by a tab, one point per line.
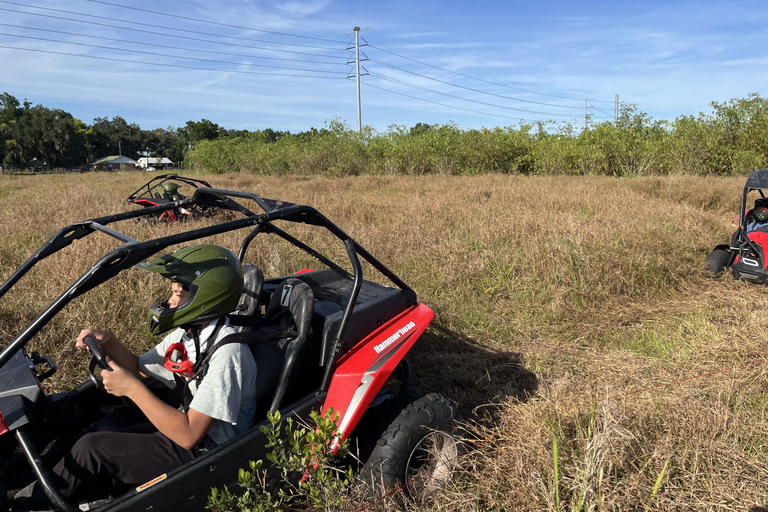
283	65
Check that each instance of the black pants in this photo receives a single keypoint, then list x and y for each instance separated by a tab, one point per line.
100	462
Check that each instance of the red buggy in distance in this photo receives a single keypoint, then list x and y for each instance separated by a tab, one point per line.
164	190
322	338
747	255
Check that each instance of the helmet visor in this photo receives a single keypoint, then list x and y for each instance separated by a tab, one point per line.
761	215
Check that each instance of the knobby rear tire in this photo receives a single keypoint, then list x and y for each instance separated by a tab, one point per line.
717	260
418	450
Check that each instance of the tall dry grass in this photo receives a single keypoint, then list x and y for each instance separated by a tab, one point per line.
559	302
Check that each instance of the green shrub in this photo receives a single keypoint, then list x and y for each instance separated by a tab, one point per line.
302	469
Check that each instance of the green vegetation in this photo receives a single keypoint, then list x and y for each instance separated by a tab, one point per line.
303	469
731	140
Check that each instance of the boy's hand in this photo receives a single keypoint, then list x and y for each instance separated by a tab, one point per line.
100	336
119	382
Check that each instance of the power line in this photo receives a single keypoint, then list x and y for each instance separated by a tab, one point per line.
261	16
171	56
475	78
406	84
167	65
159	45
212	22
470	88
441	104
154	33
603	111
170	28
212	61
295	12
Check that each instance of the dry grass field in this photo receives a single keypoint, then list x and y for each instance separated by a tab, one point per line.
575	324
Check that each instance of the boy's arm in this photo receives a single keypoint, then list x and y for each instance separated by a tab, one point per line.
184	429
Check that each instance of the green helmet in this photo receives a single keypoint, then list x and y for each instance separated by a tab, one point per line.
170	187
213	276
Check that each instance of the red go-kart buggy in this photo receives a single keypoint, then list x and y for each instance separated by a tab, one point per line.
343	346
746	254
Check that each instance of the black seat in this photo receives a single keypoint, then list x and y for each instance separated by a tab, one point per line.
250	300
278	342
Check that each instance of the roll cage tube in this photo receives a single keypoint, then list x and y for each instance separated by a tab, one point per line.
42	474
313	217
756	181
65	236
350	244
743	219
269	228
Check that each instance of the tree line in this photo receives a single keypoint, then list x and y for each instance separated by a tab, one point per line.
731	139
36	133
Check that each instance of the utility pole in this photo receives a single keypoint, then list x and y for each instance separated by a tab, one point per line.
616	113
585	114
357	75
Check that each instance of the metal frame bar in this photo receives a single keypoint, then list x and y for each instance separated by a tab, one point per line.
745	240
42	473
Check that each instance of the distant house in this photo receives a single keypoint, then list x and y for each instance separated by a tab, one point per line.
111	163
157	163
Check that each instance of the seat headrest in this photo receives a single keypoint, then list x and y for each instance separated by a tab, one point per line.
250	300
291	302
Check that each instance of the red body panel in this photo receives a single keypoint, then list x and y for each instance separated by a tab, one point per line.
146	203
361	372
761	238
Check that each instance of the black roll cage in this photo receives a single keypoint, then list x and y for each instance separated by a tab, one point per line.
756	182
159	180
131	252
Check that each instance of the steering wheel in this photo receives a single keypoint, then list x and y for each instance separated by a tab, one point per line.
98	358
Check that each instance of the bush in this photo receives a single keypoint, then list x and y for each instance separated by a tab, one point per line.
302	469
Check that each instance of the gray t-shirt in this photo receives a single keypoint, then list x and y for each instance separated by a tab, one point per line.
227	393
